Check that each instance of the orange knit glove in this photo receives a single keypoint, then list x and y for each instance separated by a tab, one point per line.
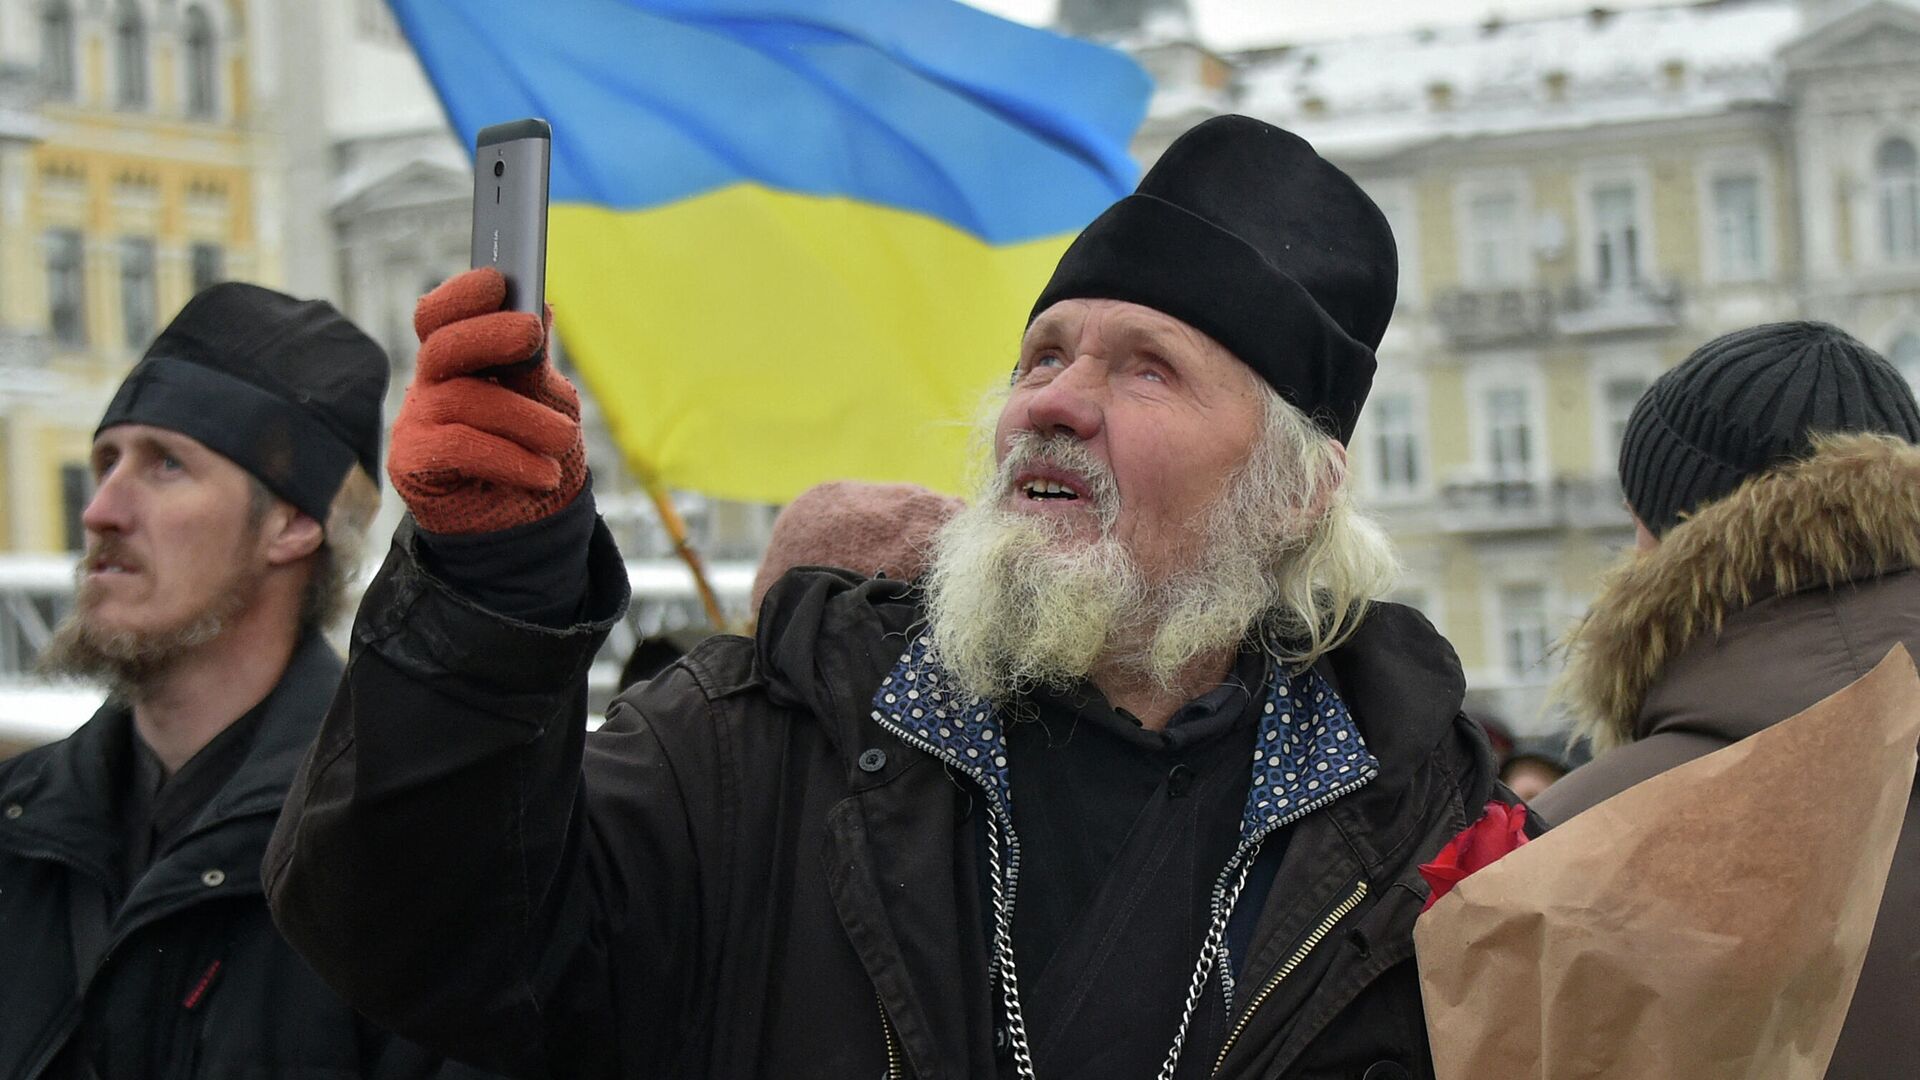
479	446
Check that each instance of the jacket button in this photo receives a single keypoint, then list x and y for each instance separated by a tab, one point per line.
14	810
1179	781
1387	1070
873	760
213	878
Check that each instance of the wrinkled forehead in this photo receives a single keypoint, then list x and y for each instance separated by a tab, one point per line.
1121	324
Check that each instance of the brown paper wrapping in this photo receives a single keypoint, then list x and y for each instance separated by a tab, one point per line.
1707	924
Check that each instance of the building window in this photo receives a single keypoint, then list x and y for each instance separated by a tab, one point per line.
1396	445
66	287
1509	434
1525	633
76	489
137	291
1897	176
1494	250
1736	227
1616	241
209	265
203	65
1905	355
1620	395
130	56
57	50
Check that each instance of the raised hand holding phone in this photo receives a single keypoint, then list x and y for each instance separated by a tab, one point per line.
489	435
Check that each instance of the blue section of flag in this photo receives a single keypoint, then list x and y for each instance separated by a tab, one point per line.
1005	131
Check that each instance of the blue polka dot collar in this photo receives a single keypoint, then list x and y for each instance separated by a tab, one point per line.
1307	752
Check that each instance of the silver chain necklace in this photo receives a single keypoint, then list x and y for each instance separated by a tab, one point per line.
1001	966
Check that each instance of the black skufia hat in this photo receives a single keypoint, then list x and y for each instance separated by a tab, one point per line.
1746	402
289	390
1242	231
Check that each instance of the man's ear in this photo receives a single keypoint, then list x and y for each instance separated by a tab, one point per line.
1323	501
1643	538
291	535
1340	463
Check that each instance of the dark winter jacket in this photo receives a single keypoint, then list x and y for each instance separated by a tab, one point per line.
764	865
193	979
1758	607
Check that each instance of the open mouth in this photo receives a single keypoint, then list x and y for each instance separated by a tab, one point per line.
103	565
1048	490
1051	486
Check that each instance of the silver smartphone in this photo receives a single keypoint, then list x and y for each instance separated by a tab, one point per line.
510	165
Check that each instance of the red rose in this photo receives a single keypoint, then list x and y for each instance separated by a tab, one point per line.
1501	829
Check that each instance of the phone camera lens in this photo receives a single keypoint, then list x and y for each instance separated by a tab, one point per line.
499	167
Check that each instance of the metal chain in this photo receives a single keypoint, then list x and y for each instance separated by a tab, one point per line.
1002	963
1216	939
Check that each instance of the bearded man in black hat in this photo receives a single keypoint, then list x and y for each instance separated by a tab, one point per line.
234	483
1134	782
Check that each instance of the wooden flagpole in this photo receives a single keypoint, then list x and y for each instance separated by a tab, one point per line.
683	546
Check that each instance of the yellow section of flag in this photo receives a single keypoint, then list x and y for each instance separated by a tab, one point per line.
749	343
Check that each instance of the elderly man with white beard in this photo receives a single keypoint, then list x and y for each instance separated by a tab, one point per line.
1136	781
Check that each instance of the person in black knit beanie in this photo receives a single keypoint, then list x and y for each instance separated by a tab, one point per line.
1776	478
1746	402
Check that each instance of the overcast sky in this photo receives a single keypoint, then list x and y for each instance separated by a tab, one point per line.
1233	24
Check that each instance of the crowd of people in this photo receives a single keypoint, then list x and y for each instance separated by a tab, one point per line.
974	795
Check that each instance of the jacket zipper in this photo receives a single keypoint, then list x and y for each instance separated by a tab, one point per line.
1008	887
1249	850
894	1071
1299	957
1225	897
68	1020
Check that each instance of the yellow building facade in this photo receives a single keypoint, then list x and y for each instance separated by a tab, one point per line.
138	189
1551	279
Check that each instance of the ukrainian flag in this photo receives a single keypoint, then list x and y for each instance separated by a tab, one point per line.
793	240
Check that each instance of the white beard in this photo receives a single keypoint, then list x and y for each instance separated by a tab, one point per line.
1014	602
1012	605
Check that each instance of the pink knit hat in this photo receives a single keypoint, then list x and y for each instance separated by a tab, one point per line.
870	529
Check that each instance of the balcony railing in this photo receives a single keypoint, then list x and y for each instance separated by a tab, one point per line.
1585	309
23	349
1481	318
1528	505
1510	505
1591	502
1484	318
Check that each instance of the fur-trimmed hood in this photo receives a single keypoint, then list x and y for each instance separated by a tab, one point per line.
1851	510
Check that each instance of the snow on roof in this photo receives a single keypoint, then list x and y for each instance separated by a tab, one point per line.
1375	94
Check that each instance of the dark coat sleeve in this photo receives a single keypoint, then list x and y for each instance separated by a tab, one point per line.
439	861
